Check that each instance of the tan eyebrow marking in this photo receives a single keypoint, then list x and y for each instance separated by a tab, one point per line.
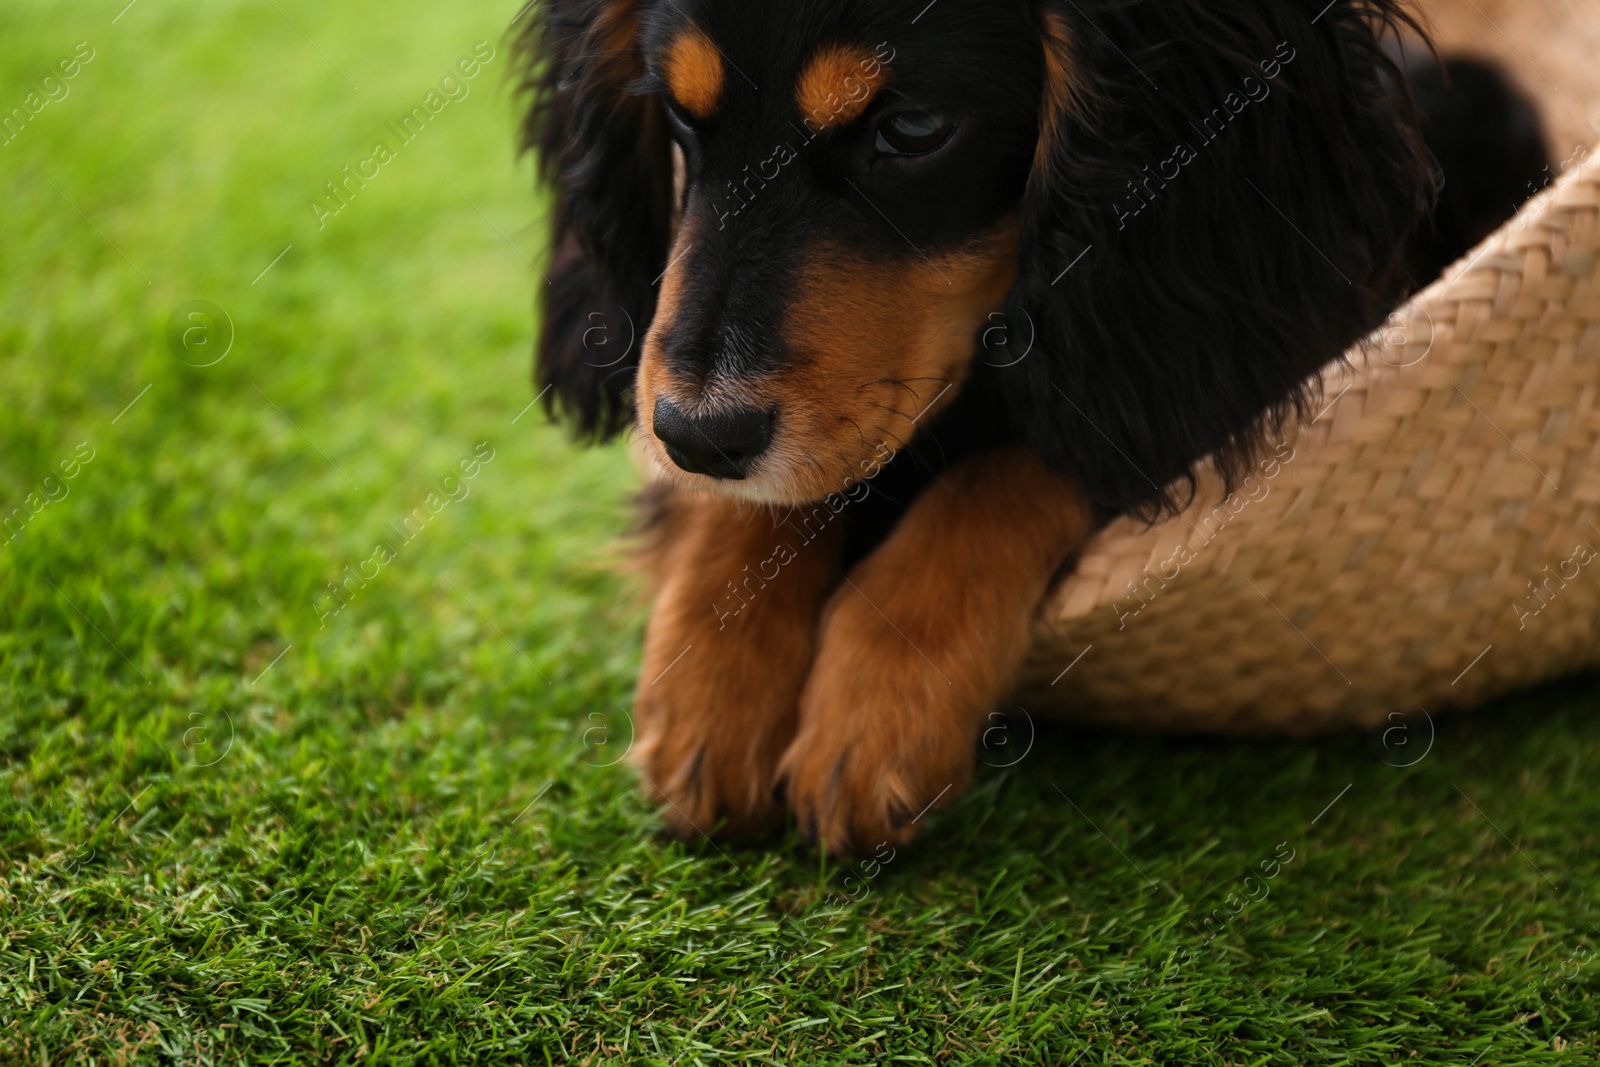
693	69
838	84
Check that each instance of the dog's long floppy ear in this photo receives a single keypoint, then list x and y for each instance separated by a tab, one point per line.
1218	203
604	156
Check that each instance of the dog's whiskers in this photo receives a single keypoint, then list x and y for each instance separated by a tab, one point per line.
857	425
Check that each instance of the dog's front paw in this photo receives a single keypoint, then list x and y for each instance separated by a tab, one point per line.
711	729
724	661
885	734
921	642
709	739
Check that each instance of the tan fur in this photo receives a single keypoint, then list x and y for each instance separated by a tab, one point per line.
838	85
876	348
923	640
724	663
694	75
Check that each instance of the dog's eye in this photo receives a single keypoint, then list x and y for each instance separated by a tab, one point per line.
913	133
682	122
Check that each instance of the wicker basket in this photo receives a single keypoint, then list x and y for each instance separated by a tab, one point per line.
1432	537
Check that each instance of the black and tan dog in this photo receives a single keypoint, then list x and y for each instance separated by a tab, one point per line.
927	291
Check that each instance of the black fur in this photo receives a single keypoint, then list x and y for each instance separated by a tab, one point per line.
1489	140
1192	327
604	158
1171	318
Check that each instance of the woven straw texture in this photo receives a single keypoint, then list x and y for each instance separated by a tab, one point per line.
1430	538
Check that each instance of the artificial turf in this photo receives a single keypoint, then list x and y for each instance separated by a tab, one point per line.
240	826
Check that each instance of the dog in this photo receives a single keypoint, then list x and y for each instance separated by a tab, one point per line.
907	299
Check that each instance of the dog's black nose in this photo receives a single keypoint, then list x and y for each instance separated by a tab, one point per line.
722	445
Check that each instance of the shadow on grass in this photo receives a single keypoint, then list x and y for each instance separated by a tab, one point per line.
1107	811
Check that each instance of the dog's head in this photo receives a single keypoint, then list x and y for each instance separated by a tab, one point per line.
787	234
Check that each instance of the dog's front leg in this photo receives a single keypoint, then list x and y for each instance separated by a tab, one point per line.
731	637
920	642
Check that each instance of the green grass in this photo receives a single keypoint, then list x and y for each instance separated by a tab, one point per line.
231	834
